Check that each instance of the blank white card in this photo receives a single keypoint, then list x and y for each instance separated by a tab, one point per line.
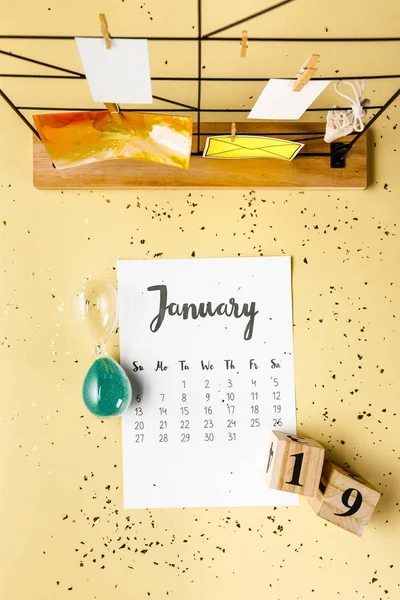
278	101
120	74
208	346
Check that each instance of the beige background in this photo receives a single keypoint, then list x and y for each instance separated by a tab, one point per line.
64	533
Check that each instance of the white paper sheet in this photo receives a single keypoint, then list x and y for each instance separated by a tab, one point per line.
207	390
278	101
120	74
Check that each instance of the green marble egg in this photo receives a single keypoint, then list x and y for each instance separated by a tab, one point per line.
106	391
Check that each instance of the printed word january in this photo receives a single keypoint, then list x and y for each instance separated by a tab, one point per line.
203	309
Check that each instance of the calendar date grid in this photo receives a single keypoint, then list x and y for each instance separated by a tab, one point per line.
211	407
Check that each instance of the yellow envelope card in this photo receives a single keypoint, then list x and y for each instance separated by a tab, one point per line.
250	146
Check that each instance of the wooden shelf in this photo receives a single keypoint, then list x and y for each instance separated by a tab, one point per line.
303	172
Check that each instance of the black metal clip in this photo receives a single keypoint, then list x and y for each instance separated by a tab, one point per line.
338	155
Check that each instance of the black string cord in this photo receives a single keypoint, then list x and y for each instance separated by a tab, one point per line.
199	61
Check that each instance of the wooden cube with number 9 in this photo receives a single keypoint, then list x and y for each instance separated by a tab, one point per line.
344	499
294	463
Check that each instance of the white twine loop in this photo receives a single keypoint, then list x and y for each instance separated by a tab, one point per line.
341	123
357	104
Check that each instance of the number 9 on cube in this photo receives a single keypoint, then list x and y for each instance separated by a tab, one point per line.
344	499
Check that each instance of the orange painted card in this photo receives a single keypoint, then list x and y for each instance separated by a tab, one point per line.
79	138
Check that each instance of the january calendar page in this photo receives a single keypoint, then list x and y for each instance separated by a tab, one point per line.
208	346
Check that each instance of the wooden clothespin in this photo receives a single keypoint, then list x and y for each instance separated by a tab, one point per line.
113	109
233	132
243	44
307	71
104	31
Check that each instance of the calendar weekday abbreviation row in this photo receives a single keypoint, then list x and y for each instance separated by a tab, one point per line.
205	365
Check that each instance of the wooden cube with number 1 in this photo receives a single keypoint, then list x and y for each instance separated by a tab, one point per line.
294	463
344	499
